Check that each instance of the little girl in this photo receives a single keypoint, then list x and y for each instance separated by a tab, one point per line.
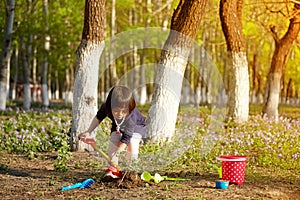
128	126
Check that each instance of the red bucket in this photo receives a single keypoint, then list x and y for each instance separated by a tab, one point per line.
233	168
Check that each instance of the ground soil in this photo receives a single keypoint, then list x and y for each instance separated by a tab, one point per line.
21	178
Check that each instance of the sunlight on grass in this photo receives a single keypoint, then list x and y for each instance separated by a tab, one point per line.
266	143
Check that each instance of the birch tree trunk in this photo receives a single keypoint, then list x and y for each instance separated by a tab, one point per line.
142	83
5	56
282	50
173	60
16	75
34	80
56	90
26	74
113	68
238	80
68	96
86	78
45	92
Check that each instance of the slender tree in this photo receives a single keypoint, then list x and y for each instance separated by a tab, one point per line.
238	88
87	68
5	56
26	54
45	89
281	54
185	24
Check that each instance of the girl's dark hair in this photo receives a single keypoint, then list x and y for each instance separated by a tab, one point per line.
119	96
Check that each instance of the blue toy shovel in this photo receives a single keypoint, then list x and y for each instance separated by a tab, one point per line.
85	184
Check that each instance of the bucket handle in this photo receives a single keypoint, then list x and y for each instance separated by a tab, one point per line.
232	160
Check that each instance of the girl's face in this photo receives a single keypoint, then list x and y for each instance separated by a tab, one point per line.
119	112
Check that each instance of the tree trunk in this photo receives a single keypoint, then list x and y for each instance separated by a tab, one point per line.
173	60
289	91
86	78
112	67
16	75
45	92
282	50
142	83
5	56
56	89
34	80
238	97
26	75
253	97
68	86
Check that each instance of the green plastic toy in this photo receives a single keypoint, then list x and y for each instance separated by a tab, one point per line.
219	169
157	178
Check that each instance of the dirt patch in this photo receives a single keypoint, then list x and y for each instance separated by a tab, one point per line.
129	180
21	178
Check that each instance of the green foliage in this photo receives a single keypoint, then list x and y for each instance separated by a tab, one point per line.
33	132
66	17
125	4
60	163
265	142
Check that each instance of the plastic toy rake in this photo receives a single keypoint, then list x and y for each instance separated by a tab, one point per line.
157	178
92	142
85	184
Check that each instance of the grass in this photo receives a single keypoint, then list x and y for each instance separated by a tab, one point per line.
267	144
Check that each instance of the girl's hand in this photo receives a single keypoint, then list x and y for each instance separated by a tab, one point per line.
83	135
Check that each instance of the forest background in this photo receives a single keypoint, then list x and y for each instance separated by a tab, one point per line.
45	40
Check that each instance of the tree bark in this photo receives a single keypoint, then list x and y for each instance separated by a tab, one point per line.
112	67
85	99
5	56
185	24
238	90
45	92
281	53
26	75
68	96
16	75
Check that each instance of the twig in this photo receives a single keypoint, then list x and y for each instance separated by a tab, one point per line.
122	178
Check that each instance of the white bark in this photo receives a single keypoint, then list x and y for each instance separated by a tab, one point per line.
260	98
185	94
143	95
3	90
5	55
56	92
34	66
239	87
273	97
27	95
68	96
85	102
164	107
16	64
198	96
45	95
253	98
203	95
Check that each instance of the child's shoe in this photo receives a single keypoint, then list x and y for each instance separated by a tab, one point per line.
113	172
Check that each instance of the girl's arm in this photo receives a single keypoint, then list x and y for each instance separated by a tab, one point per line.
95	122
